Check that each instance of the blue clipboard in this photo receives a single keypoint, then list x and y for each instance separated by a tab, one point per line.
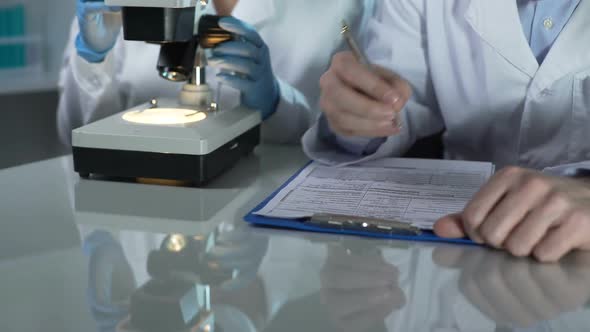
299	224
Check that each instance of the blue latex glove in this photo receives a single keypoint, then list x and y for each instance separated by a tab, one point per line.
100	26
245	65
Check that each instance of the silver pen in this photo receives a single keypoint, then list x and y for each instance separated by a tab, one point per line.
354	47
360	56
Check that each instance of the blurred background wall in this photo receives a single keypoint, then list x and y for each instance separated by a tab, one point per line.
33	34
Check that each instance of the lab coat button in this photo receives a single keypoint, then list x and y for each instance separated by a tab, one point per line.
548	23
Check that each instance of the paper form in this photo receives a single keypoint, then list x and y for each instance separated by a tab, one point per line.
416	191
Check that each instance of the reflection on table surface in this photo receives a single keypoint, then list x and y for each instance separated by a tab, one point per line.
265	280
98	261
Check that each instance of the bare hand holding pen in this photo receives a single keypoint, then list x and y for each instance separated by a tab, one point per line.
359	100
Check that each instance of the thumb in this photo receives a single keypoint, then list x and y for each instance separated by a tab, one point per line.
450	226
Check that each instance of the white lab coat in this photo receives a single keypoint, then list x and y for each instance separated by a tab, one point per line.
301	35
474	74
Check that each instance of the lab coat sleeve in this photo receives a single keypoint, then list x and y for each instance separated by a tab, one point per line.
88	92
322	144
351	144
291	119
395	39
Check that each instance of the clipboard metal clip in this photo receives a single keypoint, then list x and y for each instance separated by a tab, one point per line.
363	224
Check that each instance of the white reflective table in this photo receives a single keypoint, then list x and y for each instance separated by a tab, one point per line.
95	255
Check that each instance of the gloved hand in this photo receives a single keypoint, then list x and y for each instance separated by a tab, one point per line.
99	28
245	65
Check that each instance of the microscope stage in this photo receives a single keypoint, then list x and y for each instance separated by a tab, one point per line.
168	142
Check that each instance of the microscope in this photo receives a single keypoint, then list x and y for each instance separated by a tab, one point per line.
177	297
185	277
190	138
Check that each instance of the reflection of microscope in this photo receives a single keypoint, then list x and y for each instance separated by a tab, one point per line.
177	298
184	273
186	139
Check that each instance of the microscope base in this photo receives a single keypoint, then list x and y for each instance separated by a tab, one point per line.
195	152
198	169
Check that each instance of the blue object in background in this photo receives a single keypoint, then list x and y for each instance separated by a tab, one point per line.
13	53
4	22
3	33
21	30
